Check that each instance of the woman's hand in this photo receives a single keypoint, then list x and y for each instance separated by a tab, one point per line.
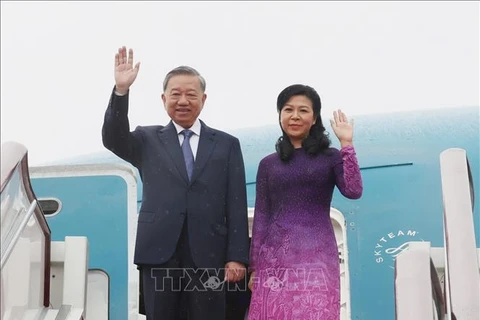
250	282
342	128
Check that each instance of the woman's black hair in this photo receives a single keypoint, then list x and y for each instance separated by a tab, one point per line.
317	140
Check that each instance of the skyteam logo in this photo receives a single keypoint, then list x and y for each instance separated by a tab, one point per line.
392	244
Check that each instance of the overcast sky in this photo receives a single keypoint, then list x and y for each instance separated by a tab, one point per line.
364	57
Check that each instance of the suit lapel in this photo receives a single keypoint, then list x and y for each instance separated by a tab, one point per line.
169	137
205	147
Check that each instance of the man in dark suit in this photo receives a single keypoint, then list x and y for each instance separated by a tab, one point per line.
192	234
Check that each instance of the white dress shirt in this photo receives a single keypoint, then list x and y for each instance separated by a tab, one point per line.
195	128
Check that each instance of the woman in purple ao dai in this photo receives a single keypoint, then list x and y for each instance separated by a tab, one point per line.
294	254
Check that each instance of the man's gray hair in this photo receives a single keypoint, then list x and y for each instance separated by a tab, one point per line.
184	70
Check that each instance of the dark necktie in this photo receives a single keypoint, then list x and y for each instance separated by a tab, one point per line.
187	152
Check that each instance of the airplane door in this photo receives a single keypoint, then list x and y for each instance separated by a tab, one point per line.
99	202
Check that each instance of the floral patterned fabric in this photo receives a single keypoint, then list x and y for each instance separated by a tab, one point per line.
294	252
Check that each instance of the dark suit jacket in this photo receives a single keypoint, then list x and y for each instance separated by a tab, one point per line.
214	201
